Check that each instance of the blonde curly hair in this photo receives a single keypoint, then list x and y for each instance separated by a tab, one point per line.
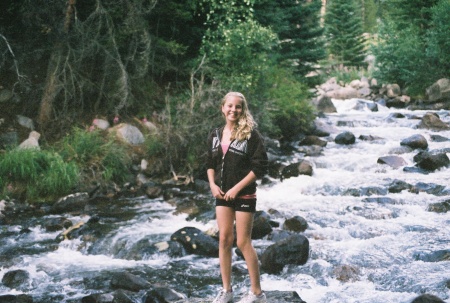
246	123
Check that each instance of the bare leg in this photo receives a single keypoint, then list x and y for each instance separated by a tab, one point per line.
225	221
244	224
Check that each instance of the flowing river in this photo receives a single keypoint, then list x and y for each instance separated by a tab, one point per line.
380	236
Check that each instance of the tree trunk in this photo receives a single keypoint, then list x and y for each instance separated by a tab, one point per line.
52	88
53	84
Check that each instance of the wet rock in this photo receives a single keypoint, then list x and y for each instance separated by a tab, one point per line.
128	281
430	161
438	138
295	169
415	142
429	188
398	186
292	250
346	273
369	138
55	224
379	200
325	105
98	298
439	207
313	140
278	235
400	150
392	161
432	121
295	224
173	248
436	256
395	116
373	190
427	298
141	249
311	151
345	138
73	202
413	169
261	225
283	296
152	190
121	297
196	242
16	299
163	295
17	279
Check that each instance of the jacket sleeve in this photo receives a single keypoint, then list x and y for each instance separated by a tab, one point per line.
209	157
258	155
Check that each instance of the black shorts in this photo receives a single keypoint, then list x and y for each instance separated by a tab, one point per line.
246	205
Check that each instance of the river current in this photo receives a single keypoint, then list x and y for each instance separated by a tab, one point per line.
381	241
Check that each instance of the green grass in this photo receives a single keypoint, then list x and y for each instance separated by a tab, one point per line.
36	174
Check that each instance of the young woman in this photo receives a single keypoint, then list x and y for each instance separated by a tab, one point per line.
236	159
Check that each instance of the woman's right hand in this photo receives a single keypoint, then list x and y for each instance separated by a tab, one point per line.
216	191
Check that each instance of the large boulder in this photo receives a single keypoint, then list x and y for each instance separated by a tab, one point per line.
17	279
129	134
295	224
196	242
345	138
431	161
292	250
313	140
73	202
427	298
303	167
343	93
392	161
439	91
32	141
415	142
432	121
325	105
261	225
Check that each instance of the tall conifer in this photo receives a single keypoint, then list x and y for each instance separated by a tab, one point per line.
344	32
297	24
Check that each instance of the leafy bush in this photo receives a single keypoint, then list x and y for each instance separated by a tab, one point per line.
36	174
97	154
292	113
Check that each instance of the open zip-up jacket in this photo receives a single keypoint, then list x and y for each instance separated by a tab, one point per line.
241	158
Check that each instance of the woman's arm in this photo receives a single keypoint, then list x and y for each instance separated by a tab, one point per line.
233	192
215	189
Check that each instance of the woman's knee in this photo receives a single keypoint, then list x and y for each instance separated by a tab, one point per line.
244	244
226	240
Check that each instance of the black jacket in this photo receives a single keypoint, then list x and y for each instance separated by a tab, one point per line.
241	158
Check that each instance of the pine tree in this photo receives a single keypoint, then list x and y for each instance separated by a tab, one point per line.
344	31
297	24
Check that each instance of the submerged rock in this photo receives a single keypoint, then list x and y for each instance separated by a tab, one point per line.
292	250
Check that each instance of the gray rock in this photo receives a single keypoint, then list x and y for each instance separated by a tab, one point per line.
415	141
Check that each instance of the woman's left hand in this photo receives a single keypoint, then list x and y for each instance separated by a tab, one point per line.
231	194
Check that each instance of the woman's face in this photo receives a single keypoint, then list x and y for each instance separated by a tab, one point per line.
232	109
